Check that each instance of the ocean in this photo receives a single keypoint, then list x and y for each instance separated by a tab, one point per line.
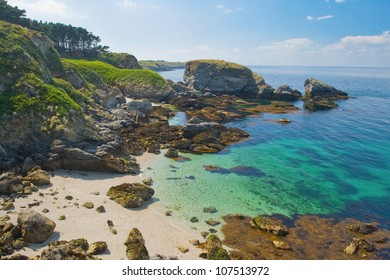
334	163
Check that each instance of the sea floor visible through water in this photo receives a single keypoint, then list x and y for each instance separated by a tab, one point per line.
333	163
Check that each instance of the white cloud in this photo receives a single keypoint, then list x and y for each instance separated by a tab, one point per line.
325	17
133	5
54	8
340	1
290	45
311	18
228	10
358	43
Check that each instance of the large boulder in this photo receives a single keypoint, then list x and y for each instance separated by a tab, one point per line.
135	246
10	183
222	77
130	195
286	93
38	177
315	88
143	106
35	227
191	130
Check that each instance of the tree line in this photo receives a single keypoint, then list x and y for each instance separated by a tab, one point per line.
68	40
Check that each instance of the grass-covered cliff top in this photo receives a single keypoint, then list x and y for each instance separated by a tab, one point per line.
159	65
219	64
111	74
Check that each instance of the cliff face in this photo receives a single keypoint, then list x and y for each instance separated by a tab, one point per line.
221	77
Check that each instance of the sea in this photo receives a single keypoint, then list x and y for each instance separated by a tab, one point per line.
333	163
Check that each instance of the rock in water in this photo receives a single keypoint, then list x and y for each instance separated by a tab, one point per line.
172	153
130	195
286	93
135	244
38	177
316	88
270	225
35	227
363	228
222	77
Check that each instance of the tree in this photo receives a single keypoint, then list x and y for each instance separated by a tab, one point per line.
12	14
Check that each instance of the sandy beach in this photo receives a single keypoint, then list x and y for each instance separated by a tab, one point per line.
161	233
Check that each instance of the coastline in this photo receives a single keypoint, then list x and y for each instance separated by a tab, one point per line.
162	234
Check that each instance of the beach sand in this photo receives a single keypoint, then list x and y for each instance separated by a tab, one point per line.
163	235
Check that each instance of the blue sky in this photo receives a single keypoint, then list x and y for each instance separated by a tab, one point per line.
252	32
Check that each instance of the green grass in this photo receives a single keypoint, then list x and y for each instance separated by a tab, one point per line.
161	65
112	75
220	64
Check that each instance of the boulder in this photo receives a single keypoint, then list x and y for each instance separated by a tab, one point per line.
222	77
172	153
135	246
38	177
130	195
76	249
214	249
318	104
286	93
10	183
191	130
143	106
97	248
271	226
35	227
363	228
316	88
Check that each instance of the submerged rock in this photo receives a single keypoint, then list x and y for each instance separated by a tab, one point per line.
130	195
363	228
271	225
35	227
135	246
172	153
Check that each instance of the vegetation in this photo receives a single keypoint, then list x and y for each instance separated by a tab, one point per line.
221	64
161	65
69	40
112	75
120	60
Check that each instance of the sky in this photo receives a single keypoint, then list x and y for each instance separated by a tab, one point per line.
250	32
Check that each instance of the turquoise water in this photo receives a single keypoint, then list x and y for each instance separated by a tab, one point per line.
332	163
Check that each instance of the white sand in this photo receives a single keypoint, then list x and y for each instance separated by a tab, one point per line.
162	234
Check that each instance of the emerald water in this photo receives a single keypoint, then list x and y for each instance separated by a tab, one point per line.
333	162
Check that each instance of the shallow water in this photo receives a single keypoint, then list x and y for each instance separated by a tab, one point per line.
333	162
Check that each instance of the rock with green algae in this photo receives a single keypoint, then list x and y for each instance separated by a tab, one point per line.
214	249
97	248
315	88
135	246
76	249
270	225
130	195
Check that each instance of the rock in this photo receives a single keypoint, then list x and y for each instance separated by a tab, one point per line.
17	257
194	220
10	183
211	230
101	209
5	218
89	205
69	197
281	245
172	153
45	210
271	226
233	135
97	248
38	177
168	213
284	121
130	195
351	249
8	206
191	130
210	210
318	104
316	88
75	249
212	222
204	234
143	106
148	182
183	249
286	93
62	218
214	249
35	227
194	242
221	77
363	228
27	165
135	244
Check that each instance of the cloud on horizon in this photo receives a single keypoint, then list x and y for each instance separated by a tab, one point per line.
311	18
132	5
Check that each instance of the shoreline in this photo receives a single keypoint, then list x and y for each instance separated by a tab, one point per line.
162	234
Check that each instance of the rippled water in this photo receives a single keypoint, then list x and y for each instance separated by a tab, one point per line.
333	162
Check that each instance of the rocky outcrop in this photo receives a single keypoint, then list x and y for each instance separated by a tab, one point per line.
214	250
10	183
130	195
38	177
76	249
270	225
315	88
286	93
135	246
35	227
221	77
